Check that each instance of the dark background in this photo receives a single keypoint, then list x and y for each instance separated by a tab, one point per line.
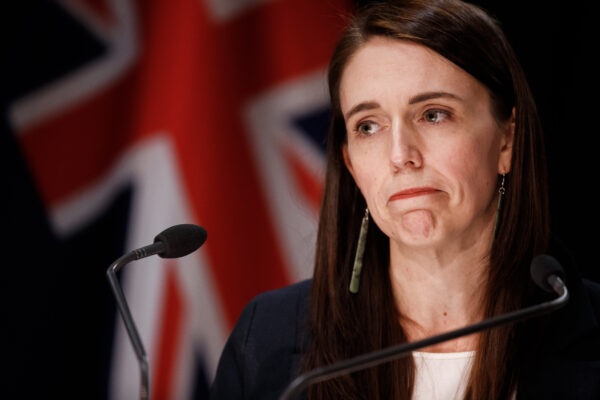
59	317
555	42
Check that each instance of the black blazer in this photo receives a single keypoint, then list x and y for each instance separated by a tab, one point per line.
263	352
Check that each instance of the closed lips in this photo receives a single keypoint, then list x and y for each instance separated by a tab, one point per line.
413	192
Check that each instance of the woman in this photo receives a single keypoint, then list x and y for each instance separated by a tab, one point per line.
435	204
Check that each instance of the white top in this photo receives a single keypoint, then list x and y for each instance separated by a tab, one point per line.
442	376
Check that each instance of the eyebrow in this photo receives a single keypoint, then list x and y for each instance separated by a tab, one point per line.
370	105
432	95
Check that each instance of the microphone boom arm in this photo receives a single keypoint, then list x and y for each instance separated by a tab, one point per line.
132	331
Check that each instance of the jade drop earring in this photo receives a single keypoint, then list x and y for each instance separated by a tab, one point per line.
360	250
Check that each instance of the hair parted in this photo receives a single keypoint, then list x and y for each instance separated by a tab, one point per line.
345	325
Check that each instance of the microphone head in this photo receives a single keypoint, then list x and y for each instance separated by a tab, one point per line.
542	267
181	240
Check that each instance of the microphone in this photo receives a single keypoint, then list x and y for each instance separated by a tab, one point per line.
545	271
174	242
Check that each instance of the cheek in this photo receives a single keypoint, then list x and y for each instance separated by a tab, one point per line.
369	178
472	166
367	167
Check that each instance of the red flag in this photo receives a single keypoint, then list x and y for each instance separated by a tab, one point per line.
214	111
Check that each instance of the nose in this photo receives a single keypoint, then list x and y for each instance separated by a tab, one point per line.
405	148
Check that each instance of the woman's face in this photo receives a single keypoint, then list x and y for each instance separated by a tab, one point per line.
423	145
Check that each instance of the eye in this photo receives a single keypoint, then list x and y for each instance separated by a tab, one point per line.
367	128
435	116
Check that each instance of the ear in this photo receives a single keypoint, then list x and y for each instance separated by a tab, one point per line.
506	144
347	161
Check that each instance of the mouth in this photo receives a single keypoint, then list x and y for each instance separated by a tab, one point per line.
413	192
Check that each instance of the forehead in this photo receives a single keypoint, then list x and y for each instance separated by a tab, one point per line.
385	69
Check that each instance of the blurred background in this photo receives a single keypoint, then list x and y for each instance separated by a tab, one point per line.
121	118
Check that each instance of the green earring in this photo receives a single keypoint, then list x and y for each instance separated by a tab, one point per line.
501	192
360	250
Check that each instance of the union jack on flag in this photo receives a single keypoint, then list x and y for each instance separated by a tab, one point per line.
211	112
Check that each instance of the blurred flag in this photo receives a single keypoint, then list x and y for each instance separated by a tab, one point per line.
199	111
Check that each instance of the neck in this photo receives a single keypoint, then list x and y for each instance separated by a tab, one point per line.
438	290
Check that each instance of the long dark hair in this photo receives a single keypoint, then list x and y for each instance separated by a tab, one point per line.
345	325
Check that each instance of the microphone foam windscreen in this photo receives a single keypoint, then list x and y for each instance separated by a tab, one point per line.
181	240
542	267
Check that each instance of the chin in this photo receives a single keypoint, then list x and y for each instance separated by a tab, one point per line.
419	241
416	239
418	226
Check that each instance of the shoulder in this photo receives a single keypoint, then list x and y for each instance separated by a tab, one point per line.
278	310
286	299
262	354
592	300
592	289
580	319
277	318
569	367
274	305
